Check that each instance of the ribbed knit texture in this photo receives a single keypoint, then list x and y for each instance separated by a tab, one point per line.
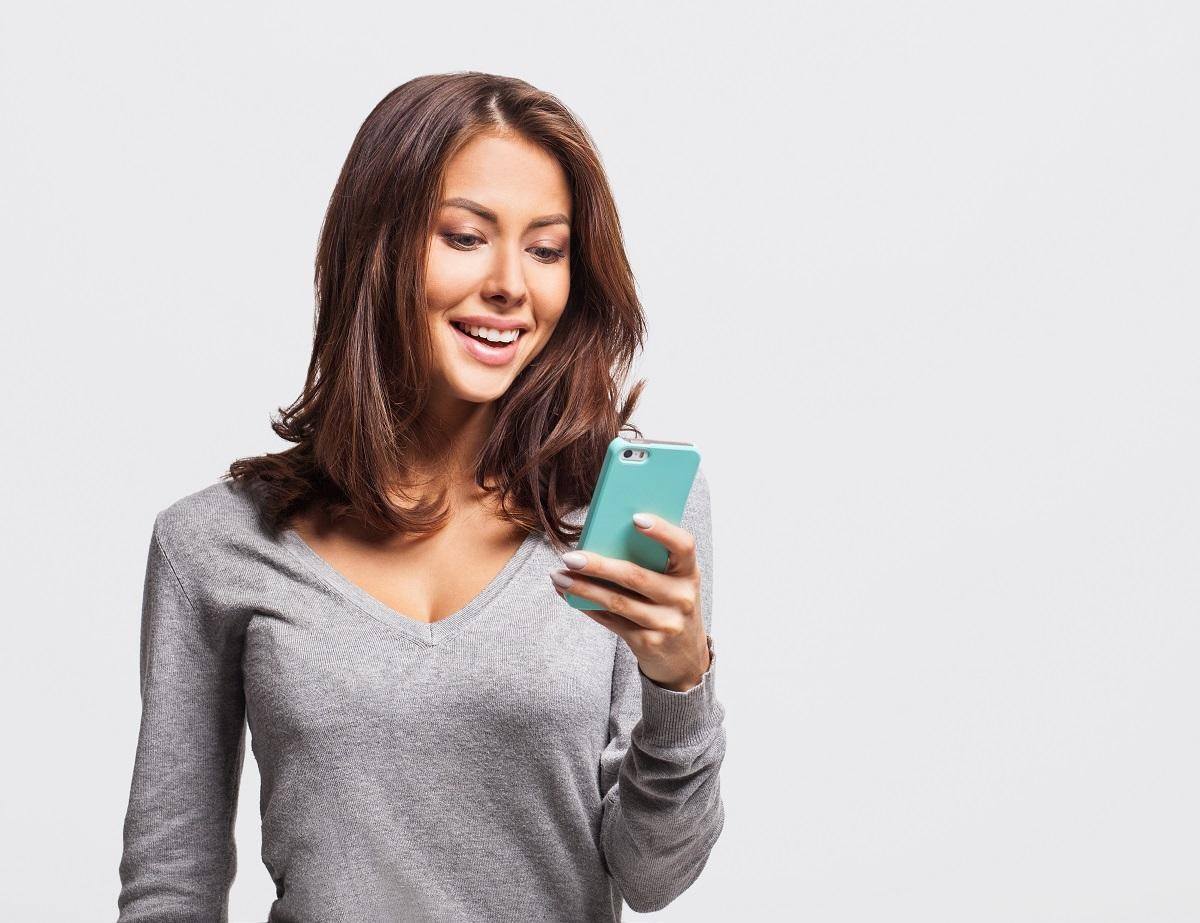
509	762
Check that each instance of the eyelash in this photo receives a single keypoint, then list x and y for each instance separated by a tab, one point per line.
558	254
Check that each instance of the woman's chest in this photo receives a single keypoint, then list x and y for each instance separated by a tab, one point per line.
317	670
425	579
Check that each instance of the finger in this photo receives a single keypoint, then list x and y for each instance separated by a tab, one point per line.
680	545
614	623
619	602
643	582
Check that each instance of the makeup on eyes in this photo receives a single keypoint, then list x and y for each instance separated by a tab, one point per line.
559	251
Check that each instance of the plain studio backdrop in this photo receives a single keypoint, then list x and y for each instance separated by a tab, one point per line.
921	282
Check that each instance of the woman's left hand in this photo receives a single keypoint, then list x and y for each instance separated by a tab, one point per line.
658	615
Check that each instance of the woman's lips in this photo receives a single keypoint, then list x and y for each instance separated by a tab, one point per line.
488	355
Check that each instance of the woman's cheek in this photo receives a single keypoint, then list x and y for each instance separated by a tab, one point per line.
445	283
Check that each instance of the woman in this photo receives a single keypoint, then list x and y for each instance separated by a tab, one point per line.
439	736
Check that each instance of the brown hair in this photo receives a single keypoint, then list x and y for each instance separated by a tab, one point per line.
359	418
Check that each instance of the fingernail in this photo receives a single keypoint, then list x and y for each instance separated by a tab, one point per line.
560	579
574	559
643	520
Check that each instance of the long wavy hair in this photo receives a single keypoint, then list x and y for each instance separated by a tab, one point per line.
360	418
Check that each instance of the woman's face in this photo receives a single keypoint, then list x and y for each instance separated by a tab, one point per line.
499	251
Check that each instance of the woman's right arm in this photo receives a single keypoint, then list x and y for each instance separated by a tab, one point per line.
179	857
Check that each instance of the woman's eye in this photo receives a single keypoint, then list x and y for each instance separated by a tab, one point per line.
553	255
470	241
452	238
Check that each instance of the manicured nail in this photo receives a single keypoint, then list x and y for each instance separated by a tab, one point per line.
643	520
574	559
560	579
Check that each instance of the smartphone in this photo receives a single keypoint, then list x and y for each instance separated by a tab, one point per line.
637	476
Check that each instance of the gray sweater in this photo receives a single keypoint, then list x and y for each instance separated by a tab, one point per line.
508	762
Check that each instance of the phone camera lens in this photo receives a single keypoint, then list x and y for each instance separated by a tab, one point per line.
628	453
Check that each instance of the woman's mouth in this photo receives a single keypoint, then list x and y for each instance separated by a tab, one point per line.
487	352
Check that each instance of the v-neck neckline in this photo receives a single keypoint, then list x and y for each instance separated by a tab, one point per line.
429	633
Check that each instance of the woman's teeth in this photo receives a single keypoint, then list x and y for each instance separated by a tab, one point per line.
489	334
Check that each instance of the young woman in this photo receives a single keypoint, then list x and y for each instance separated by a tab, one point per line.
440	736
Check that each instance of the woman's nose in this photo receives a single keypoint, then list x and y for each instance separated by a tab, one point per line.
507	279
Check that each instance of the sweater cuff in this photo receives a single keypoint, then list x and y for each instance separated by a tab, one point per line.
681	719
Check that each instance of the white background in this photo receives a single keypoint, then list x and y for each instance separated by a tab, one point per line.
922	285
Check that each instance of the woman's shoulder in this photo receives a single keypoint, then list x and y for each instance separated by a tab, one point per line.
697	510
222	516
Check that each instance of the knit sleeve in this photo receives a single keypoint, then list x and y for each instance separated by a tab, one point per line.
179	856
660	771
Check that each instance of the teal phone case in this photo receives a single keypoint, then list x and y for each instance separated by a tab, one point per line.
659	483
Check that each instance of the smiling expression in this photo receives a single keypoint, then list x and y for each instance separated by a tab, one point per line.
499	248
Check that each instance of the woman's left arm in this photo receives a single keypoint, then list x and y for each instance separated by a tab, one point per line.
660	771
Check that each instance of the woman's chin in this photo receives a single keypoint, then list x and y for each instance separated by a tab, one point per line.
477	387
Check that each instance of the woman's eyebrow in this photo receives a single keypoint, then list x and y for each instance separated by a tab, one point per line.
488	215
